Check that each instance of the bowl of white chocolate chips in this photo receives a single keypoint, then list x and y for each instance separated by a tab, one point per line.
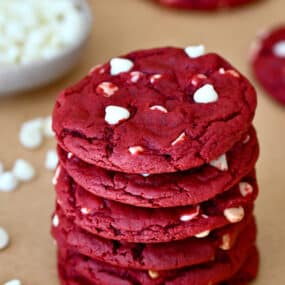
40	41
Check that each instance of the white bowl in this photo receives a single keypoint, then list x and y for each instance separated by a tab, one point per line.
15	78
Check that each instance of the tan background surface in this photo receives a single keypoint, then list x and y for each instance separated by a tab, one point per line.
121	26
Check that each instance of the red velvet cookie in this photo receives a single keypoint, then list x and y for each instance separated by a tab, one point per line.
155	111
165	190
164	256
203	4
123	222
246	274
223	268
268	62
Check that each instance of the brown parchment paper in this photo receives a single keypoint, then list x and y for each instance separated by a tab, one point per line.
121	26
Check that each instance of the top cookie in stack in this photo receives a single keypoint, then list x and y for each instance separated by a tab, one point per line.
157	151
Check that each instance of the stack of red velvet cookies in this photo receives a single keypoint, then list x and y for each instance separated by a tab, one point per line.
156	181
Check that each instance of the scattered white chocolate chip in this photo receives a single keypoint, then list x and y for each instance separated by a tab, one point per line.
203	234
226	242
195	51
119	65
158	108
145	174
8	182
153	274
56	175
1	167
55	220
234	215
206	94
85	211
13	282
47	127
135	76
69	155
108	89
279	49
31	134
136	149
23	170
4	238
154	78
115	114
245	189
220	163
51	159
179	139
191	215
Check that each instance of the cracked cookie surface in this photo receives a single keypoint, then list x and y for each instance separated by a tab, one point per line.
123	222
155	111
165	190
160	256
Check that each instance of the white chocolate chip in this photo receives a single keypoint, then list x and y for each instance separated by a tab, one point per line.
51	159
136	149
230	72
8	182
115	114
179	139
23	170
55	221
247	139
85	211
279	49
4	239
119	65
69	155
56	175
145	174
234	215
108	89
153	274
1	167
135	76
31	135
13	282
154	78
206	94
203	234
158	108
226	242
191	215
220	163
195	51
47	127
245	189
